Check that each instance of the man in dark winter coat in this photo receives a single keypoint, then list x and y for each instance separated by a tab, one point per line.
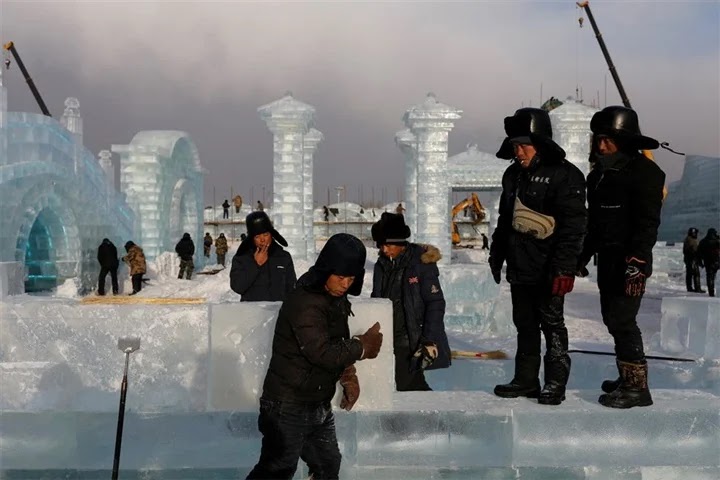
539	234
625	194
709	258
207	244
185	249
261	269
226	209
690	258
312	350
407	274
108	258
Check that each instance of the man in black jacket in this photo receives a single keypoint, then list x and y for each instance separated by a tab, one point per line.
709	258
407	274
185	249
261	269
312	351
539	234
690	259
625	194
108	258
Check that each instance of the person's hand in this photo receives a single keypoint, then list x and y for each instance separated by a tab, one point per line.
495	269
635	277
497	275
425	355
351	388
371	341
563	284
261	254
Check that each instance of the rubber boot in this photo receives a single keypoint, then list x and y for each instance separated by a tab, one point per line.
633	390
609	386
525	383
557	372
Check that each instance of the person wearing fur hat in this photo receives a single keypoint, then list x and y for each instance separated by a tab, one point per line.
311	352
261	269
709	258
539	236
135	259
625	195
407	274
185	249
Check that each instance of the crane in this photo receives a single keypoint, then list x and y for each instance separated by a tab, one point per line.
10	46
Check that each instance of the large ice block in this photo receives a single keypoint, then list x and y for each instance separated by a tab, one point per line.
241	344
691	324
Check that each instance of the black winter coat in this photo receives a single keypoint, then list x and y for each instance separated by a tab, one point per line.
311	347
185	249
268	283
625	194
422	299
709	252
551	186
107	255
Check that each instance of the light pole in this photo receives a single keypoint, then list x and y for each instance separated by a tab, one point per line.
339	190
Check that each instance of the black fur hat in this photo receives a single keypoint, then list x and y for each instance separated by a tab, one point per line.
343	254
621	123
390	229
533	125
258	223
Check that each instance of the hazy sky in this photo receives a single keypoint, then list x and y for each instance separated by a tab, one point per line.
205	68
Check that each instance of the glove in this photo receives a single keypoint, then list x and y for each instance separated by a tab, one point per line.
496	274
635	277
371	341
351	388
563	284
425	355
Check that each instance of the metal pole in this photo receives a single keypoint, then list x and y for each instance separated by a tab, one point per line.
121	420
11	47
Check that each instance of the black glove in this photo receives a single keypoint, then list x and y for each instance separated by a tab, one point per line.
425	355
635	277
495	269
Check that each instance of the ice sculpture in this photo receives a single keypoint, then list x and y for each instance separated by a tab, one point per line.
406	141
310	143
431	122
72	120
693	201
289	120
571	130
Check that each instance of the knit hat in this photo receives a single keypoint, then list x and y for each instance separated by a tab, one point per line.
390	229
344	255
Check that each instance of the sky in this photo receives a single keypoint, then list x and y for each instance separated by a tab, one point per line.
205	68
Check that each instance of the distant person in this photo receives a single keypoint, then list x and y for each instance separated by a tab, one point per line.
221	248
135	259
207	244
185	249
362	211
326	213
260	206
237	201
407	274
690	258
312	351
107	256
709	257
261	269
243	236
399	209
226	209
625	196
484	242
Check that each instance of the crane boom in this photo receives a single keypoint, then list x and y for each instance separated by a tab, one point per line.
10	46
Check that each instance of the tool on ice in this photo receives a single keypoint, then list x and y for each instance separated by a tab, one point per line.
127	345
651	357
491	355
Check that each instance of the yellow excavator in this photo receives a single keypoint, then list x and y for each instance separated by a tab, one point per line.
478	214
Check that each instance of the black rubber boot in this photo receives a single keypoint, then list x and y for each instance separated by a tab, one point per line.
633	390
557	372
609	386
525	383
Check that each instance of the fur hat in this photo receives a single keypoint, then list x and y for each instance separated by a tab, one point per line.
258	223
529	125
390	229
622	124
344	255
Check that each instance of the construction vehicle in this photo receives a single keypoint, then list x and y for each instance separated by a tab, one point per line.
10	46
476	209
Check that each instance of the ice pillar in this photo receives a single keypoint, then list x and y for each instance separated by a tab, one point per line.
72	120
3	122
289	121
105	160
431	122
407	143
310	143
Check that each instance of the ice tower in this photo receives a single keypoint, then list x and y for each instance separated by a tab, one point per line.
430	122
571	130
406	141
289	120
310	143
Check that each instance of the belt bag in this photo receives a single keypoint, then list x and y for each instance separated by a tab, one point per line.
528	221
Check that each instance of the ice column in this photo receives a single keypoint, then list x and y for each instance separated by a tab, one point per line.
431	122
406	141
310	143
289	120
105	160
72	120
3	122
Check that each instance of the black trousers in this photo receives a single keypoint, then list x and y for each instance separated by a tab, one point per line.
137	282
619	312
536	310
407	377
226	213
692	277
113	278
710	277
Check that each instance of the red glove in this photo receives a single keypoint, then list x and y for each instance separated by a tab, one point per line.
351	388
563	284
635	277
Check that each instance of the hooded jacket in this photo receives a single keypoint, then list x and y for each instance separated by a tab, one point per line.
270	282
185	248
423	301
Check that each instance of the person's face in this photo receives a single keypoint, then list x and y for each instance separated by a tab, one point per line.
392	251
338	285
262	240
524	152
606	145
